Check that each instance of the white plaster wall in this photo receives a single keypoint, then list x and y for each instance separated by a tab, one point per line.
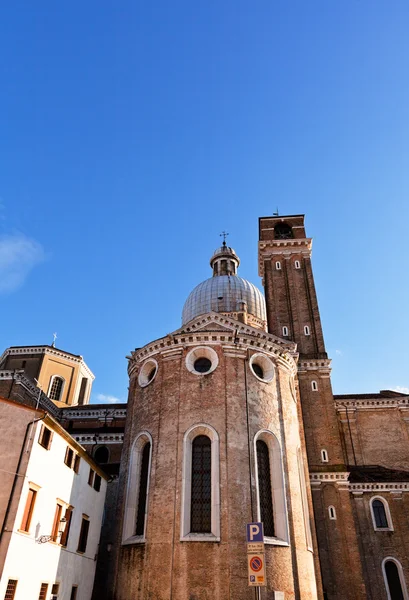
32	563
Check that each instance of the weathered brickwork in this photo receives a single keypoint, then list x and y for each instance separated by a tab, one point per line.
237	406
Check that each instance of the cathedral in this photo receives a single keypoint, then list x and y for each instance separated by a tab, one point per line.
231	420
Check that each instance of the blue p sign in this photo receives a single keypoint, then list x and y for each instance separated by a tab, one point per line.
255	532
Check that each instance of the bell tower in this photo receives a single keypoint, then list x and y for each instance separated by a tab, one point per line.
293	314
285	266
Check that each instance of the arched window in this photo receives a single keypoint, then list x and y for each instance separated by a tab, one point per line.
381	515
306	330
271	502
278	266
297	264
394	579
56	387
264	488
200	488
285	331
101	454
136	507
201	492
332	513
314	386
143	490
282	231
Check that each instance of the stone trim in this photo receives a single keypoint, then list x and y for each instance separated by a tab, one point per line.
240	337
20	378
401	403
323	365
339	478
100	413
270	248
47	350
102	438
379	487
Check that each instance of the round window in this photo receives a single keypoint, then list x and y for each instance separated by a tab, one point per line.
202	360
262	367
148	372
202	365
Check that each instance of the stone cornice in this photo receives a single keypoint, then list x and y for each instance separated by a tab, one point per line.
270	248
379	487
101	438
96	413
339	478
47	350
20	378
375	404
322	364
235	338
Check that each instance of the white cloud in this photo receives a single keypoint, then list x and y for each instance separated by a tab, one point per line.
108	399
19	254
401	389
339	352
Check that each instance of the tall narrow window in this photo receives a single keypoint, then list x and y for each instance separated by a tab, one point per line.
380	514
271	501
45	437
200	512
97	482
297	264
11	589
137	496
264	487
314	386
66	532
200	485
143	488
28	510
56	387
83	539
324	455
56	524
278	266
306	330
55	591
285	331
332	513
43	591
74	591
394	579
81	395
69	456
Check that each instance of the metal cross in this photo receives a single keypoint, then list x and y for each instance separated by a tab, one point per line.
55	337
224	235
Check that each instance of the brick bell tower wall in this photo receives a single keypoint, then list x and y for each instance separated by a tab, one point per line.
291	301
235	406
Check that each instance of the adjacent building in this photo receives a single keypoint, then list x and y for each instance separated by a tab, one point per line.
51	508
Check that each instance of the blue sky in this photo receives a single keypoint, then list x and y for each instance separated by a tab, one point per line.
133	133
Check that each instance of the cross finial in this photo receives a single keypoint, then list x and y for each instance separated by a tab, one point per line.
224	235
276	213
55	337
